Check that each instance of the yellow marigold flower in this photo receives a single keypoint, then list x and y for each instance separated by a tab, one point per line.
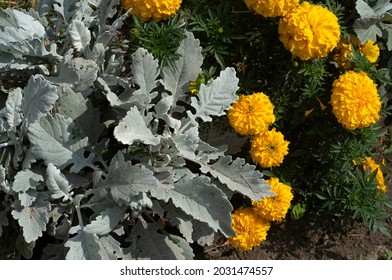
309	31
152	9
370	50
344	51
250	229
251	114
274	208
355	101
271	8
269	148
381	187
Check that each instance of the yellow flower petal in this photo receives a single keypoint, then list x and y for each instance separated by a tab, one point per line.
309	31
355	100
269	148
274	208
249	227
152	9
271	8
251	114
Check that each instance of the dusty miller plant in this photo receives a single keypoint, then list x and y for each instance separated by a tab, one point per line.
55	175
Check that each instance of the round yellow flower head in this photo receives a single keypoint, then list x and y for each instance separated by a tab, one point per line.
355	100
309	31
274	208
250	229
152	9
271	8
269	148
251	114
381	187
370	50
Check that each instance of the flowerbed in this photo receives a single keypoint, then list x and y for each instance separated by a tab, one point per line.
164	122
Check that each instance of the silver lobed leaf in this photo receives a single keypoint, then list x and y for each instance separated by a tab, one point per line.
57	183
216	97
199	198
184	69
239	176
32	219
133	128
38	98
125	180
55	140
83	246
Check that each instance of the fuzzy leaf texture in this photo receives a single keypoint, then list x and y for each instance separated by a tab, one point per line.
150	243
199	198
145	71
54	140
106	221
57	183
125	180
373	20
239	176
32	219
13	108
25	180
133	128
83	246
215	97
39	98
21	38
184	69
79	34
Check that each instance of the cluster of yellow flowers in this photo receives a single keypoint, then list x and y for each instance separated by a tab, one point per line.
308	31
344	51
155	10
355	100
252	115
251	224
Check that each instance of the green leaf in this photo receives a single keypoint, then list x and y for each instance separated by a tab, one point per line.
53	140
216	97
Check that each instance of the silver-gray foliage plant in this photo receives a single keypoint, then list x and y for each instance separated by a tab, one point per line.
105	184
